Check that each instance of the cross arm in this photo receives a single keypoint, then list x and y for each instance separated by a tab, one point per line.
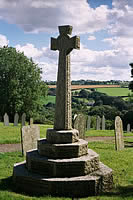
53	44
75	42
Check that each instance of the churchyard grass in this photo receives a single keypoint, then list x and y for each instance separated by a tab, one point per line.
114	91
100	133
11	134
119	161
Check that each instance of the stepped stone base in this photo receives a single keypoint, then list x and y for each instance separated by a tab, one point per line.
81	186
62	136
62	167
70	150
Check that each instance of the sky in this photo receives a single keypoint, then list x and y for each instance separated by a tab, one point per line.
105	28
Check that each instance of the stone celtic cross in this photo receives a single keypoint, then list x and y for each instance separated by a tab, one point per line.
64	44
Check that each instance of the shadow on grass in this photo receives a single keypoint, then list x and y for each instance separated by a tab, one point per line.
6	184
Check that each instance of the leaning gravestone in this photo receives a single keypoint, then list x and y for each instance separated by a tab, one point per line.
103	122
16	118
80	125
89	122
98	123
6	120
128	128
119	141
29	137
23	120
63	165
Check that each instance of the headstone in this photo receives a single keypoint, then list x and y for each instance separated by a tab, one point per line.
31	121
16	118
98	123
64	44
128	128
29	137
6	120
23	120
80	125
119	141
103	122
88	122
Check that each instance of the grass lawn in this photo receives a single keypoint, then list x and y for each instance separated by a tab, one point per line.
96	133
120	162
11	134
48	99
114	91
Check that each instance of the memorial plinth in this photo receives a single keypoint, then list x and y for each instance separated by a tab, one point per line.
62	165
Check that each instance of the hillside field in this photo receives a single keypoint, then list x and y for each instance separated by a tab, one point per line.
114	91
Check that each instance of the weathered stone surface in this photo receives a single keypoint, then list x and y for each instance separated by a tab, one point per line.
119	140
29	135
31	121
81	186
106	180
69	150
16	118
80	125
88	122
23	120
128	128
62	136
64	44
6	119
62	167
103	122
98	123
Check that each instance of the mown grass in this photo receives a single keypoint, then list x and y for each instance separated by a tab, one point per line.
97	133
48	99
114	91
12	134
120	162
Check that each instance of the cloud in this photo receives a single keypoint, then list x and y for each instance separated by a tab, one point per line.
91	37
3	40
88	64
44	16
29	50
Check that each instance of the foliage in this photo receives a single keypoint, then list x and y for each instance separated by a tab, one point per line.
20	83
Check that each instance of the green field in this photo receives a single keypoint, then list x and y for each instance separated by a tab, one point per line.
48	99
114	91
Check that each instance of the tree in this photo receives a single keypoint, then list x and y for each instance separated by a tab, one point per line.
20	83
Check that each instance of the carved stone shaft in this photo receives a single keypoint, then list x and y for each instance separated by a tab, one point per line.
65	44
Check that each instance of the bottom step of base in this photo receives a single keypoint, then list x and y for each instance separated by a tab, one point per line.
81	186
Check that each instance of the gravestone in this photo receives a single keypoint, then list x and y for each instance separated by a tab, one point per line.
6	120
16	118
80	125
128	128
31	121
88	122
98	123
119	141
23	120
62	165
103	122
29	136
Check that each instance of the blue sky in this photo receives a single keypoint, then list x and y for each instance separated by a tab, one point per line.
105	28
